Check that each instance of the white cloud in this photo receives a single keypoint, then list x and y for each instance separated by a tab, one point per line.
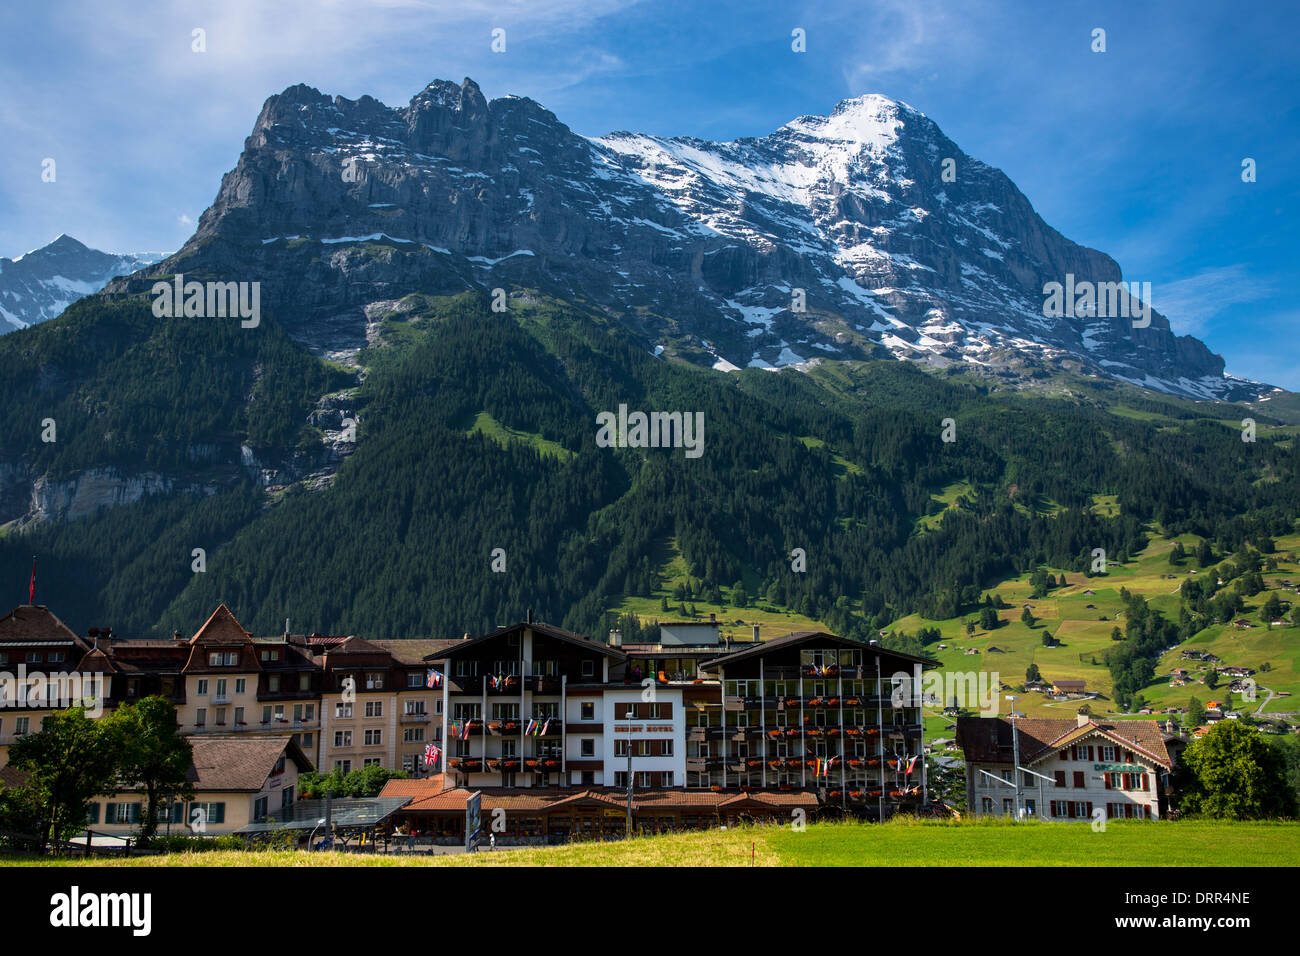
1189	304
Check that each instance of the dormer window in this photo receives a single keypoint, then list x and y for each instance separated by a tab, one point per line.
223	658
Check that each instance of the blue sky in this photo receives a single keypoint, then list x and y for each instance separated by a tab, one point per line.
1136	151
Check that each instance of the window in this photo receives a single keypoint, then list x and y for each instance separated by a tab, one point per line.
212	812
259	805
286	798
33	657
304	681
270	654
505	667
342	710
437	706
273	683
374	680
240	685
414	679
20	726
203	687
92	815
122	813
54	657
343	766
239	716
1060	777
221	716
221	687
588	668
223	659
201	717
342	738
307	741
546	668
374	708
374	738
588	747
1108	754
415	707
371	762
588	710
413	735
467	668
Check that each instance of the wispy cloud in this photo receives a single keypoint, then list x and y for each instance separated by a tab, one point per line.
1191	303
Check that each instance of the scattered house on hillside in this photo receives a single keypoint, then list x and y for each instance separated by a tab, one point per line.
994	649
1237	671
1242	623
1192	655
1090	591
1145	711
1210	658
1069	687
1180	672
1035	685
1090	607
972	650
1199	732
943	647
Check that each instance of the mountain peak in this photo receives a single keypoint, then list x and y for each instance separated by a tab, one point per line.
870	120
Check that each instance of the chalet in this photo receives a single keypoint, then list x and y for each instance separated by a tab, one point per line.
1241	622
1069	688
237	780
1237	671
40	661
1067	768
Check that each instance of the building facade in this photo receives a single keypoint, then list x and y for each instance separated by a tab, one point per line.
1077	769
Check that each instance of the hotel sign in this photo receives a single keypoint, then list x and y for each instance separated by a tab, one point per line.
1118	768
648	728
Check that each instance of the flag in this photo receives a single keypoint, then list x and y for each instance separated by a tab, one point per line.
431	754
31	585
546	726
911	764
528	730
432	678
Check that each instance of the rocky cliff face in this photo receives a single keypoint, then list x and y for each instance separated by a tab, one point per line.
889	236
41	284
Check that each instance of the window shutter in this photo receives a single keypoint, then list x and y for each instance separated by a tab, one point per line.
1090	808
1146	782
1106	777
1074	752
1065	755
1070	809
110	813
1090	757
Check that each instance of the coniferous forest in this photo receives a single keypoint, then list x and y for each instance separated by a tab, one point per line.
843	462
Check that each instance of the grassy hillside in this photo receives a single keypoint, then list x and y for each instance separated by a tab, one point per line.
895	844
1081	623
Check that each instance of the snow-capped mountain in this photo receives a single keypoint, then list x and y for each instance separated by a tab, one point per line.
41	284
860	233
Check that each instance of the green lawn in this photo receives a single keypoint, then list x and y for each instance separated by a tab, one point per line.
899	843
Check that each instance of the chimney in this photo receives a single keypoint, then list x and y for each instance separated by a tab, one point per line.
93	634
1083	720
465	636
530	616
755	633
286	630
615	638
713	617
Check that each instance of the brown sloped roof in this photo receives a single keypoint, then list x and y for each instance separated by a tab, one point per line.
546	630
416	650
35	622
239	762
1040	737
801	637
221	628
13	777
524	799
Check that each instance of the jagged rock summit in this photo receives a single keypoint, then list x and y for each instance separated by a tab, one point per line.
703	249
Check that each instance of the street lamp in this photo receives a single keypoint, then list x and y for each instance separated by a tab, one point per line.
1015	749
311	836
630	713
